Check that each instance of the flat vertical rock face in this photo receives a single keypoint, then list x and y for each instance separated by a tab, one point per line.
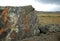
27	23
25	19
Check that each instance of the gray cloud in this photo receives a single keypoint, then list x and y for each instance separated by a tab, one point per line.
54	2
49	1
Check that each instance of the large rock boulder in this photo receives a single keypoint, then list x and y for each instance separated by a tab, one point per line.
48	28
27	22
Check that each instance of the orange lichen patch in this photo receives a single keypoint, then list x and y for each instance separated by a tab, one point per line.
5	13
1	31
8	27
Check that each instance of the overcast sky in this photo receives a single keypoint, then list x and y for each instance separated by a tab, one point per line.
39	5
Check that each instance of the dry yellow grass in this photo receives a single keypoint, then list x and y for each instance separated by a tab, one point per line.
49	18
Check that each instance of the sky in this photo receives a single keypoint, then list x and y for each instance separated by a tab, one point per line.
39	5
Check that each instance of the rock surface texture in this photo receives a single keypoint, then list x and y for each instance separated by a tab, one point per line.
25	19
26	27
27	22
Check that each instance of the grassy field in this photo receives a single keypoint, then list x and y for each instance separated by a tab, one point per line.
49	18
